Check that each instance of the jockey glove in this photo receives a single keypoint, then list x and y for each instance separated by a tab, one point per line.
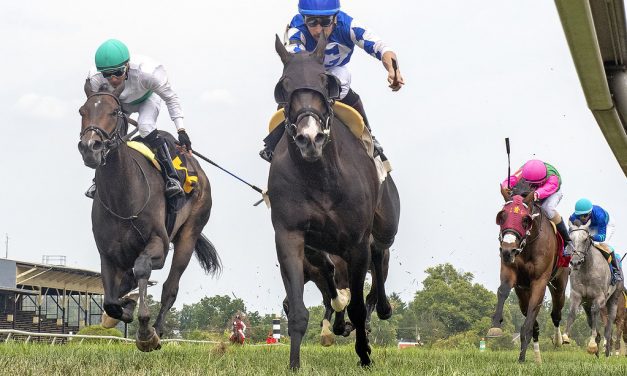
184	140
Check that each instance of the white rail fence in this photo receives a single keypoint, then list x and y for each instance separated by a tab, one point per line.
10	333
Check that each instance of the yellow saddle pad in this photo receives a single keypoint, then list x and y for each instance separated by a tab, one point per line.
190	180
348	115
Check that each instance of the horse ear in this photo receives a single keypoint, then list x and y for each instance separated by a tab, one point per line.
87	88
527	221
320	48
281	50
118	90
506	193
501	217
529	198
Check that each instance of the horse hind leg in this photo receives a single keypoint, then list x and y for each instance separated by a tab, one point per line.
536	342
380	263
357	306
183	249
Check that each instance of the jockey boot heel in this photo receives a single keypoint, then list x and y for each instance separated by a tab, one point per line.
91	191
270	142
172	184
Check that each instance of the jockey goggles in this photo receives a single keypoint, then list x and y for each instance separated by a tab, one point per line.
584	217
324	21
118	72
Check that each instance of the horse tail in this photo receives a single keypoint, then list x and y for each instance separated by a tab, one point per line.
208	256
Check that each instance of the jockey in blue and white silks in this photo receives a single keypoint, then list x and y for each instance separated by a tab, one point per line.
601	229
347	33
343	34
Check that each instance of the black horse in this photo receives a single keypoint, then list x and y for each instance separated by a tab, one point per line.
128	218
330	273
326	196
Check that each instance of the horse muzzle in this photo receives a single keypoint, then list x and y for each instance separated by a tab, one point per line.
92	152
311	146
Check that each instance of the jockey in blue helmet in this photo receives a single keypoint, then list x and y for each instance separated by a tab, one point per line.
343	34
601	230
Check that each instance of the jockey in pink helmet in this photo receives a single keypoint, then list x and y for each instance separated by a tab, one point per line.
546	182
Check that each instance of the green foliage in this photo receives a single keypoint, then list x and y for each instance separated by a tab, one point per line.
200	335
449	303
462	341
211	313
98	330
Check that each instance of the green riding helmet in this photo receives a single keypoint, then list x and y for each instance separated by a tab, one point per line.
111	54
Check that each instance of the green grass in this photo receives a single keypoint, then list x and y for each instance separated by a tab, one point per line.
121	359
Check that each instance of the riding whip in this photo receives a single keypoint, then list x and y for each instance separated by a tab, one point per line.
133	122
508	166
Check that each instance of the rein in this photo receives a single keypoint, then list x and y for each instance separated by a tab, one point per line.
586	248
118	136
524	238
112	141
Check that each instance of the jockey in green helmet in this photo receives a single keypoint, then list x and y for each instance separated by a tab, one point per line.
146	86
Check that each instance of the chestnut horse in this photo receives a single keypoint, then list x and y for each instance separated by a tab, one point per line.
128	218
529	250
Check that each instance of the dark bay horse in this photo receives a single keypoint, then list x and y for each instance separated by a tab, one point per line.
529	253
325	195
128	218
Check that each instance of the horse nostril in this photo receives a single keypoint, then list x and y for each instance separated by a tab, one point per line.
320	137
97	146
300	139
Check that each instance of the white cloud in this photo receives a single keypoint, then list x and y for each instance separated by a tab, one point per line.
41	106
219	96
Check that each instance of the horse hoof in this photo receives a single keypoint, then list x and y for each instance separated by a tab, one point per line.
537	357
327	340
152	343
495	332
108	322
384	313
565	339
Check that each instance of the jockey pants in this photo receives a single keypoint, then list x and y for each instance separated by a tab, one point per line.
148	113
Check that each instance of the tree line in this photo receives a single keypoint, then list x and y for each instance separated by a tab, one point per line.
450	311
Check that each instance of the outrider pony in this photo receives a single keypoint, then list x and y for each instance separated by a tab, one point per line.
529	250
326	196
128	218
590	286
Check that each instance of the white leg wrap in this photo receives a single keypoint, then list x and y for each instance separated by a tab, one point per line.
342	300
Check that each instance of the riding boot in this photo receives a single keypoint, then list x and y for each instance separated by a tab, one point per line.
616	272
354	100
91	191
270	142
159	146
561	228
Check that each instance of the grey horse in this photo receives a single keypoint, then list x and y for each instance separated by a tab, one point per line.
590	285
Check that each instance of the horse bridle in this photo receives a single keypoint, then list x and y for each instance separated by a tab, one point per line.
118	136
586	247
523	238
324	121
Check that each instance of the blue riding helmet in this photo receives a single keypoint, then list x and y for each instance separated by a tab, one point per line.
583	206
318	7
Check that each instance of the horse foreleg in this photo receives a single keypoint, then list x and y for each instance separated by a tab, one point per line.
612	306
508	279
536	296
557	289
595	318
152	256
357	307
183	250
290	252
127	303
111	277
575	301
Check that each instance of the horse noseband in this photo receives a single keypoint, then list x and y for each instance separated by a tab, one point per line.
325	121
523	240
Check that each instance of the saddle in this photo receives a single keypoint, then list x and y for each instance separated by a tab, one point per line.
186	174
355	123
562	261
